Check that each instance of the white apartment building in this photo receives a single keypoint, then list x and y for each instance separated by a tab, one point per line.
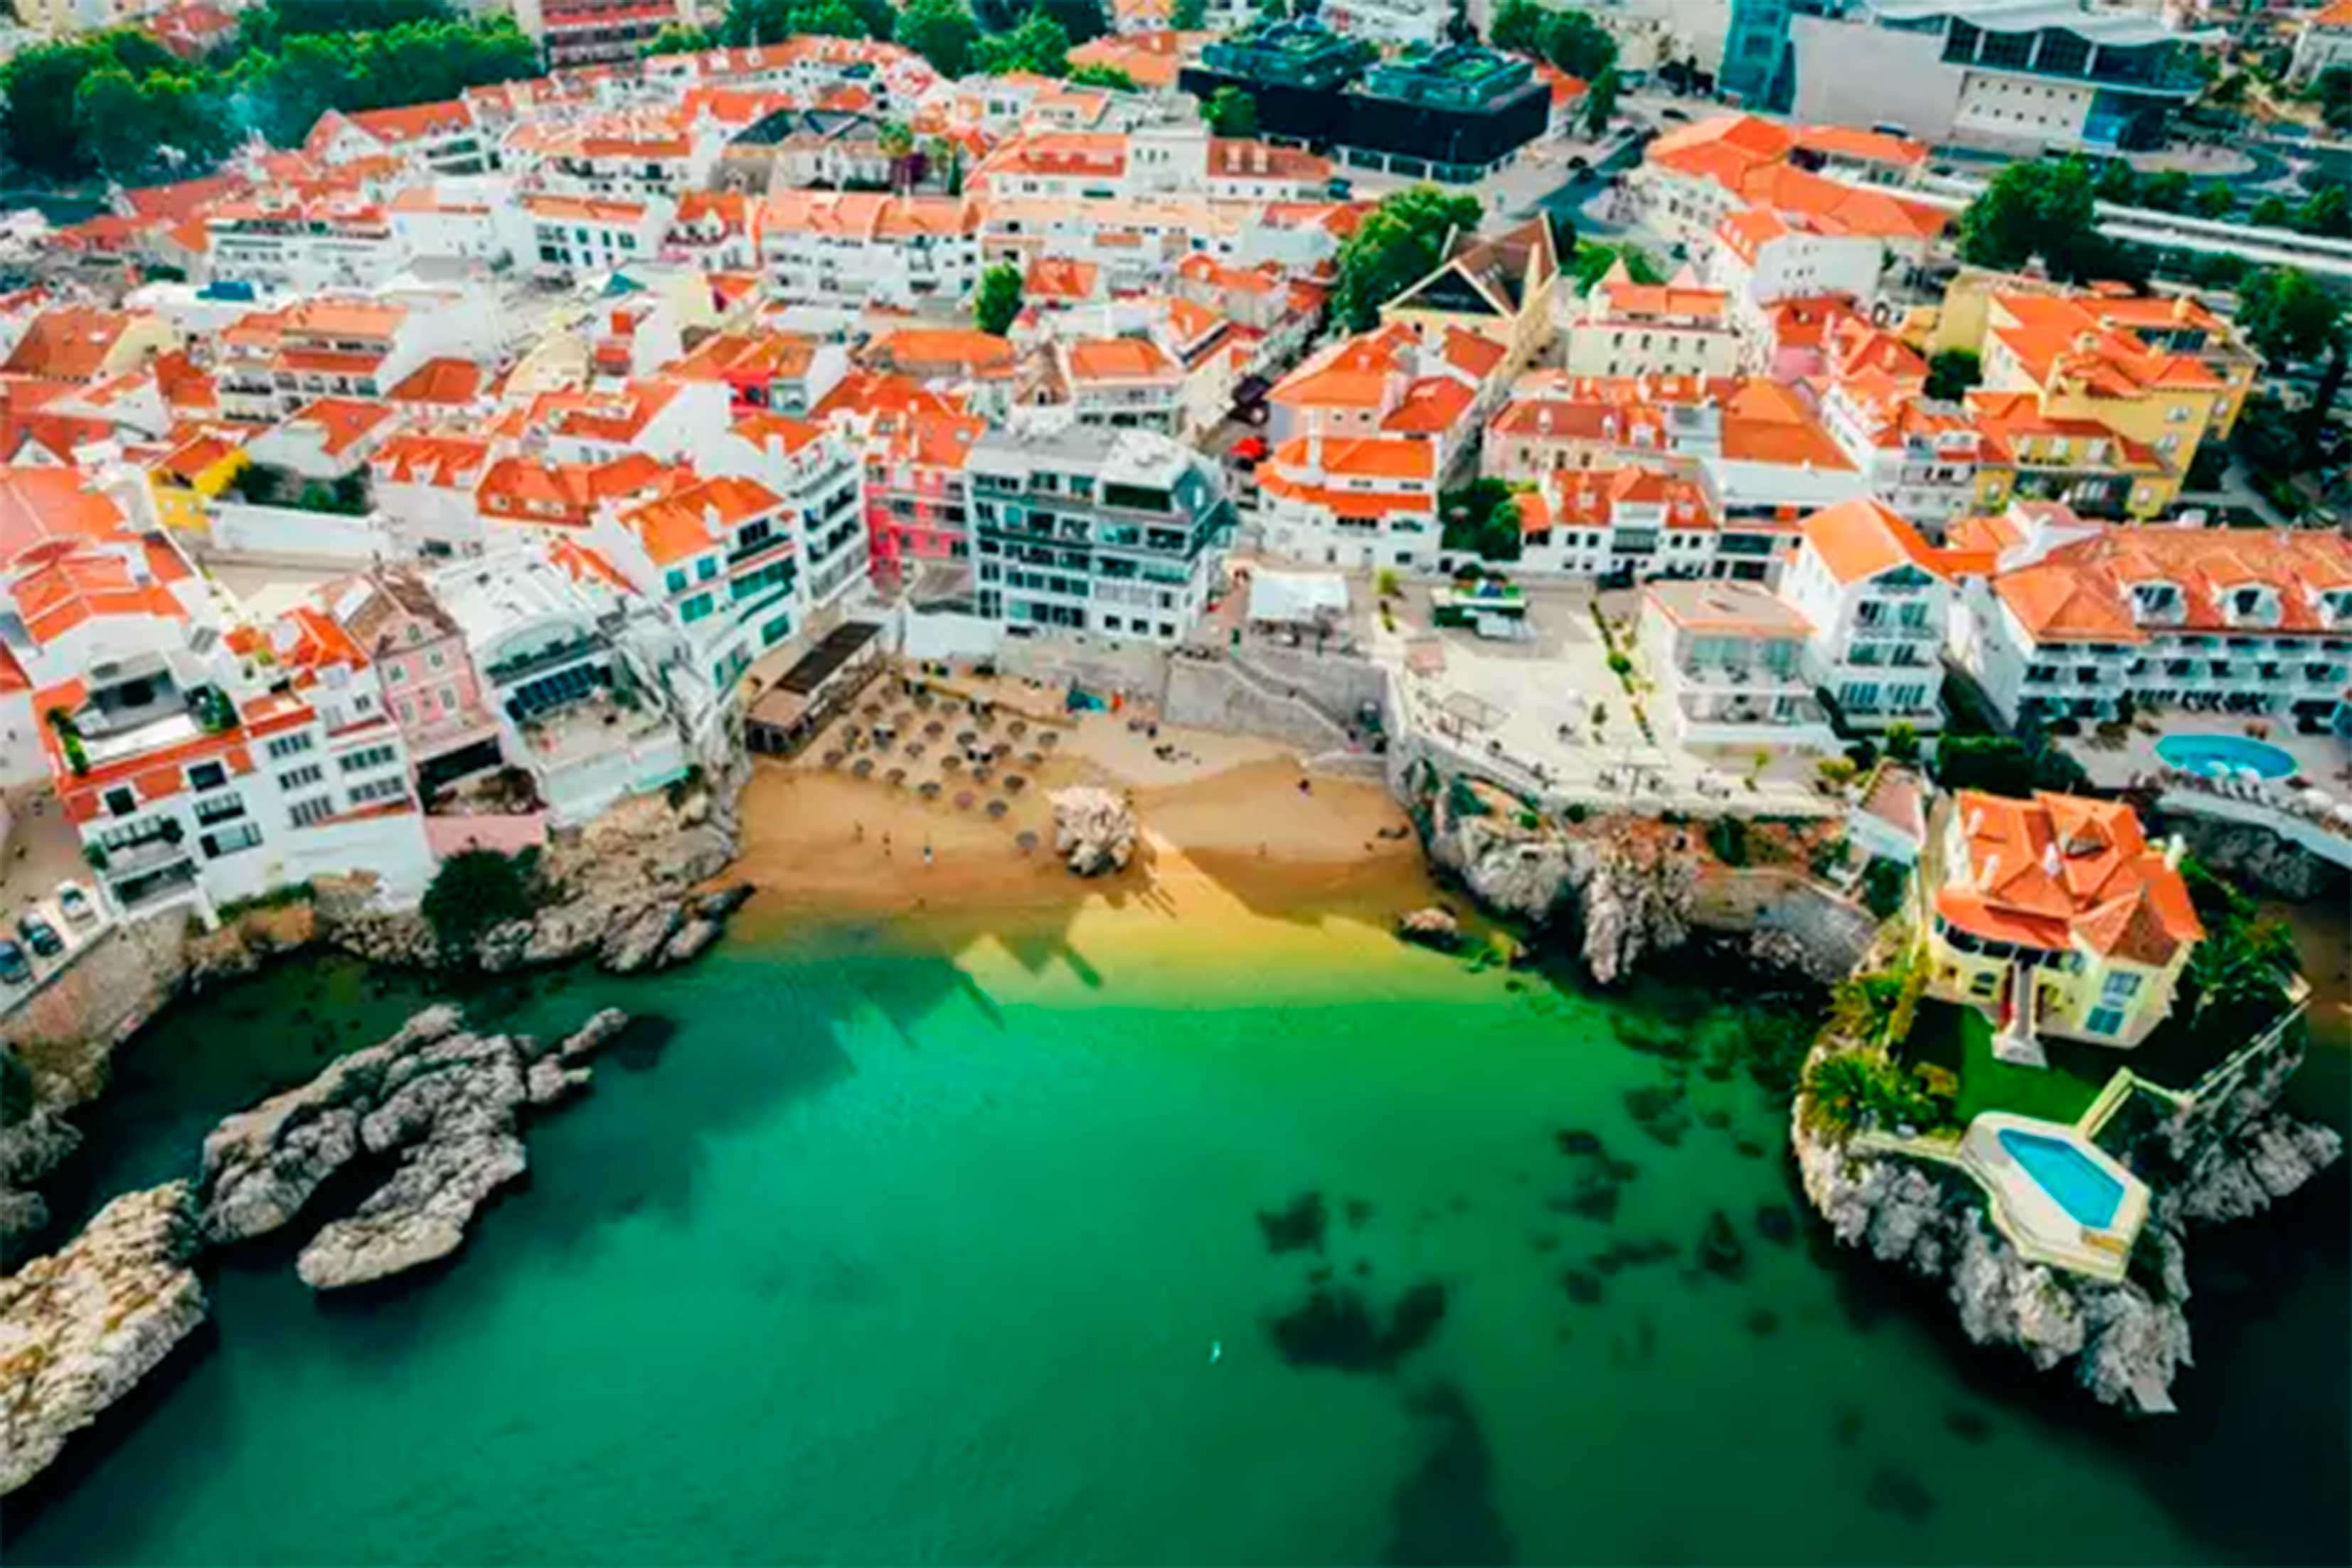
1877	598
285	244
2079	619
1729	662
1622	328
1928	460
1359	503
1117	533
819	476
860	249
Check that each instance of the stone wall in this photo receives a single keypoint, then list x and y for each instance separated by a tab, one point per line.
65	1031
1834	932
1102	667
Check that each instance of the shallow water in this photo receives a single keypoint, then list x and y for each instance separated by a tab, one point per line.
895	1254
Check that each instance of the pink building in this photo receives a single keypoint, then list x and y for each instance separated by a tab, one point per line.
916	509
428	681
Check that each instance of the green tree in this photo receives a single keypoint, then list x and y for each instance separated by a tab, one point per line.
2239	971
1902	744
477	891
2287	317
1578	45
2327	213
1951	372
1838	1094
1600	102
1230	111
680	40
2168	192
1083	21
2273	211
2035	209
1518	27
1590	262
2332	90
1188	15
1109	77
2120	183
39	84
1482	516
1039	43
2216	200
1397	245
998	298
941	31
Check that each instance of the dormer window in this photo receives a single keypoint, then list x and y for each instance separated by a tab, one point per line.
2155	600
2254	604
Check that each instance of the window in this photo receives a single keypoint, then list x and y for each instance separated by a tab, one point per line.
2121	986
705	568
695	609
228	841
317	809
676	579
436	658
294	779
373	756
379	790
219	809
287	746
2103	1020
207	776
121	802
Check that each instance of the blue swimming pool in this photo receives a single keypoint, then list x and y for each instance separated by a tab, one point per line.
2068	1175
2221	756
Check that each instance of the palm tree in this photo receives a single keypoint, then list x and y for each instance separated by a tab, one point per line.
1838	1093
2241	965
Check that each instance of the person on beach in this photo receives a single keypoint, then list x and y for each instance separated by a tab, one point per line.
927	851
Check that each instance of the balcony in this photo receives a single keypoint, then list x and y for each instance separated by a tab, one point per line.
523	666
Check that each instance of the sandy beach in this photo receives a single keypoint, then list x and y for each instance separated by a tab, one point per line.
1225	818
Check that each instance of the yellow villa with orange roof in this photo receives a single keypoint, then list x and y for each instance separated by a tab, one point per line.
2058	917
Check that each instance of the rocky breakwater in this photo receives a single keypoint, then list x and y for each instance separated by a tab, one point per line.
1094	831
2127	1341
438	1101
80	1327
1622	894
620	892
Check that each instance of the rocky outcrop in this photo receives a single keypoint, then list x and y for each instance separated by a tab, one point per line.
1094	829
2230	1155
1430	928
30	1148
1623	896
80	1327
442	1103
2255	857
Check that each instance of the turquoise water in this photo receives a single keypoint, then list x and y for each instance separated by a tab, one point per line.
2222	756
2066	1174
889	1255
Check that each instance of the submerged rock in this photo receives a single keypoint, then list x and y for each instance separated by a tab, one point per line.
439	1102
1299	1226
1338	1328
81	1326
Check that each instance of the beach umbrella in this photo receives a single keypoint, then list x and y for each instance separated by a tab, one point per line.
950	762
1026	839
1017	728
935	729
1035	759
928	789
863	768
966	736
964	799
914	749
1014	783
831	759
982	774
1050	740
997	808
896	776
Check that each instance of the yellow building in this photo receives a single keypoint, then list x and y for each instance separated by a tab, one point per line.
192	473
1499	287
2168	324
2058	917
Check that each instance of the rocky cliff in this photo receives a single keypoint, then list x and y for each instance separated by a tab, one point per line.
2127	1341
1621	896
438	1102
80	1326
2255	857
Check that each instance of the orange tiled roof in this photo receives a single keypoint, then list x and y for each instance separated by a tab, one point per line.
2083	590
67	343
685	523
2056	869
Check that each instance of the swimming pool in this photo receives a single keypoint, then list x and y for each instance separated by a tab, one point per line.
2068	1175
2221	756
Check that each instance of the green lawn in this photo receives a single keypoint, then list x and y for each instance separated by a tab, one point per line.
1959	1039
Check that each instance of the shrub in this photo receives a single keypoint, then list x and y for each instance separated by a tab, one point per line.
1727	839
1829	856
1902	744
1384	582
1461	800
1575	812
1836	771
1530	822
1883	884
478	890
1620	665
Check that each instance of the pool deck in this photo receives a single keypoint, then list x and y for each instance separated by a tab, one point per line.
2323	759
2032	1216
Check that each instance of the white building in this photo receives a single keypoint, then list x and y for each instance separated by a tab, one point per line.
1117	533
1878	599
1728	661
863	249
287	245
1624	328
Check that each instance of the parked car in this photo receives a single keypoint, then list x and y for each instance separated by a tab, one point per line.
40	936
75	905
13	967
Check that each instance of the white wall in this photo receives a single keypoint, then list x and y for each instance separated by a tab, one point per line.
289	533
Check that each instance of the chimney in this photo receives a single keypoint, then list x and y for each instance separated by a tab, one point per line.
710	517
2050	857
2172	850
1975	824
1314	440
1991	869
